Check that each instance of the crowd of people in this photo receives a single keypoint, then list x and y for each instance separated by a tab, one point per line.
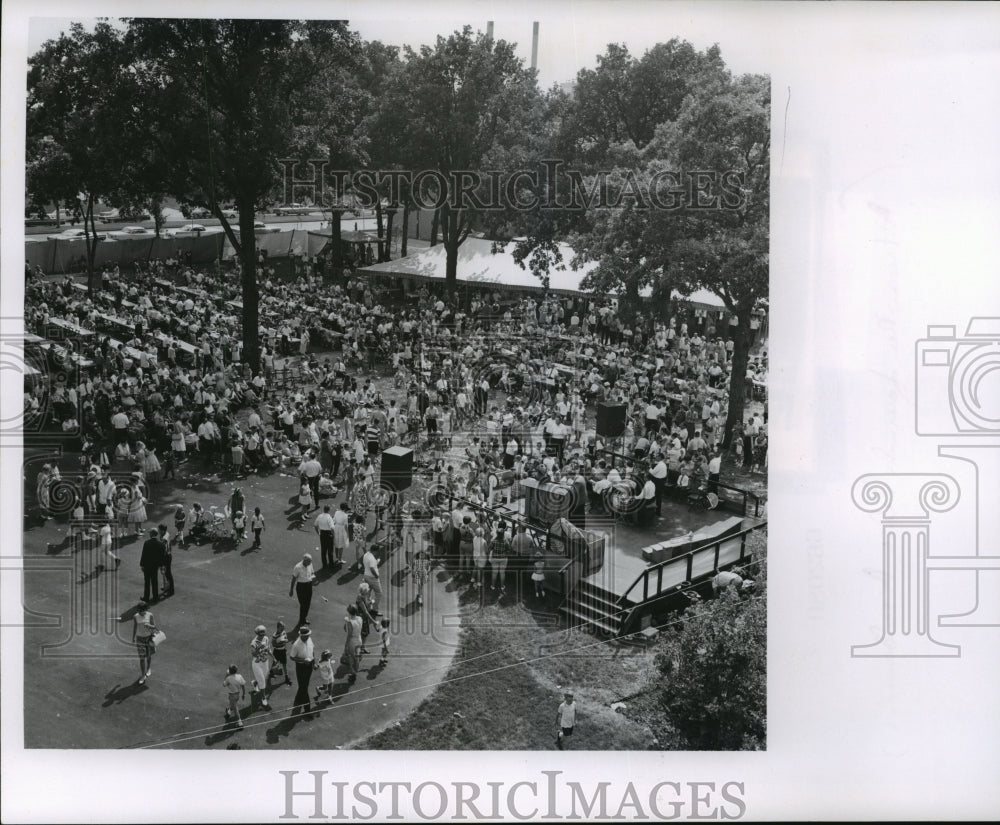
490	391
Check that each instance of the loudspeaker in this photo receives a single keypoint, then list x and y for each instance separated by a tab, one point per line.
545	503
610	420
397	468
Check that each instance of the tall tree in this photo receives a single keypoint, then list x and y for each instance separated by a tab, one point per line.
80	91
467	99
221	109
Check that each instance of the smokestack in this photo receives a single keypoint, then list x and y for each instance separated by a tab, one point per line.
489	29
534	45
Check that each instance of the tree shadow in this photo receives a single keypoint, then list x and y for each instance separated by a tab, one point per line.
119	693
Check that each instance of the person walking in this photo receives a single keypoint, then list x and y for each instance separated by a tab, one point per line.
421	572
363	605
341	535
279	647
105	538
257	525
499	551
324	526
180	522
168	558
151	560
369	565
352	644
565	719
236	691
302	654
310	469
260	664
480	556
143	629
303	578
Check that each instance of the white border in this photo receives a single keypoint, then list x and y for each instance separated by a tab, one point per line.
885	211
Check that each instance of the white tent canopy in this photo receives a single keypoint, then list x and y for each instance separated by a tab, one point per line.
478	265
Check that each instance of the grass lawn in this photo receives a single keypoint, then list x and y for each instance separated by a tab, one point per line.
506	684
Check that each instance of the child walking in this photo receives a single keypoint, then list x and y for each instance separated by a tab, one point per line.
384	637
324	691
239	526
279	647
236	691
180	522
538	576
257	525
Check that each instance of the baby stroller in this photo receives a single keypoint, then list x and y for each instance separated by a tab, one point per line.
701	499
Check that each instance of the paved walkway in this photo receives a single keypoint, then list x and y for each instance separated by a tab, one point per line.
81	671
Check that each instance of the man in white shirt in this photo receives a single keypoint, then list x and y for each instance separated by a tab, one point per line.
652	418
301	586
120	422
302	652
311	469
714	470
324	529
659	476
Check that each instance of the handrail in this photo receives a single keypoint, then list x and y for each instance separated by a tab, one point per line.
655	571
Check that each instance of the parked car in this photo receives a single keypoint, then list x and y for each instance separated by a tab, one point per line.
260	226
199	212
75	234
127	232
191	230
295	209
230	214
108	216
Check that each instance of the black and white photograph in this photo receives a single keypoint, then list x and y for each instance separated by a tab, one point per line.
385	398
459	411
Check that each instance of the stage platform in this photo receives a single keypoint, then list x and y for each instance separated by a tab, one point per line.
623	561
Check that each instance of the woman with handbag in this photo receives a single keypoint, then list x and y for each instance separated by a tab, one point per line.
144	634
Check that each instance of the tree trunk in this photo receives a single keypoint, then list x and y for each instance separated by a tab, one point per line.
390	219
159	220
406	227
451	263
435	225
336	243
251	296
737	379
378	229
90	241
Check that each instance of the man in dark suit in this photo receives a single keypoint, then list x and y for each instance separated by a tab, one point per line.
152	559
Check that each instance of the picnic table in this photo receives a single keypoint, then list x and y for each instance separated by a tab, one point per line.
165	340
70	326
